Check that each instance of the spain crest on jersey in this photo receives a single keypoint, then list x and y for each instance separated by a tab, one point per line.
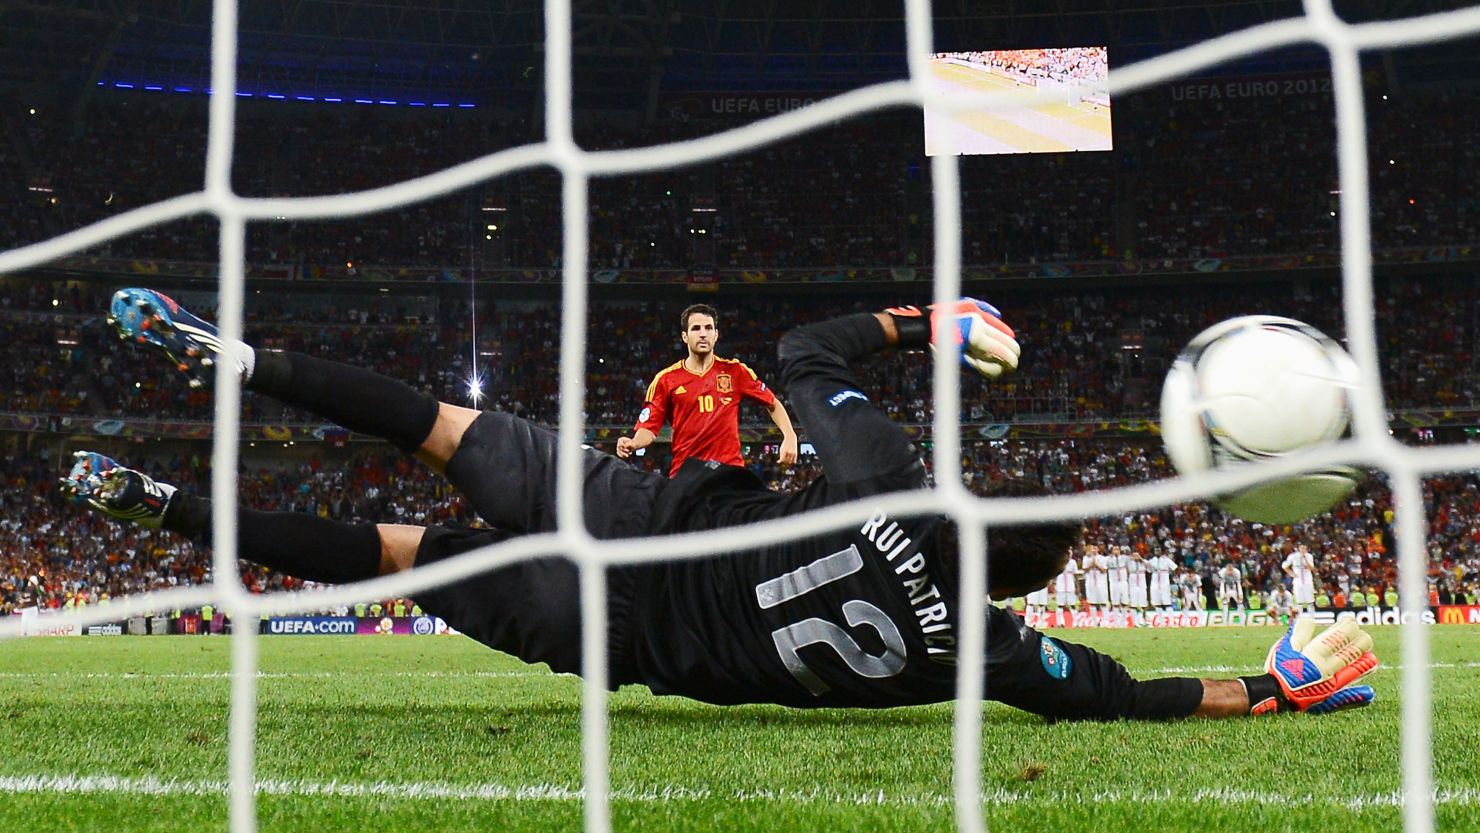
723	383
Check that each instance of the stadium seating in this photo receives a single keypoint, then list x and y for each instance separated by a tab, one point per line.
76	551
1091	355
1188	179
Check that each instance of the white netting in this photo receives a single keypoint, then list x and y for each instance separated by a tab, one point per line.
1372	444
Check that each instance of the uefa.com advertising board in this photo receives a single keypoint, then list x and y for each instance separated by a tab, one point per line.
50	623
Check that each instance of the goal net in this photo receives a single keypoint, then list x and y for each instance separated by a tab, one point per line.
1371	446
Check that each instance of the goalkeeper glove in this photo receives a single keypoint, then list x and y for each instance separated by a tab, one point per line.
1315	674
985	343
1351	697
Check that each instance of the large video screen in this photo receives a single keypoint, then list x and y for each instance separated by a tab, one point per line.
1059	101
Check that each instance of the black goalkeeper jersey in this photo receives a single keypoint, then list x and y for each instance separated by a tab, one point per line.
862	616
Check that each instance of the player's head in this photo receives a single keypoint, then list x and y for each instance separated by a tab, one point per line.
699	328
1026	557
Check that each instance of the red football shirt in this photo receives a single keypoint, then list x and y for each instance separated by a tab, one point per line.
704	410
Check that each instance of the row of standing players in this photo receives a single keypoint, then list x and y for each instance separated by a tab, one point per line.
1125	579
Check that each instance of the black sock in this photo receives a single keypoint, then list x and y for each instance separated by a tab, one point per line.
352	397
295	543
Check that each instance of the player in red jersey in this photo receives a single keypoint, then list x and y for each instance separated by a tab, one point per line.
701	396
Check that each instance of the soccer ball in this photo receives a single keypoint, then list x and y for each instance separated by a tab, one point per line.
1257	388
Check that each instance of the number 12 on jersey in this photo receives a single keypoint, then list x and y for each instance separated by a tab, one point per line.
856	612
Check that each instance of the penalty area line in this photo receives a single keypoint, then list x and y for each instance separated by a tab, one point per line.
327	675
436	791
262	675
545	673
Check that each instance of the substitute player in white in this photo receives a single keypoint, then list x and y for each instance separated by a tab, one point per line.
1300	566
1120	578
1096	583
1192	593
1066	586
1162	568
1136	570
1038	601
1230	587
1281	605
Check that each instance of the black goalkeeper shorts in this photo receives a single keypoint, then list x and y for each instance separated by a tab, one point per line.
505	467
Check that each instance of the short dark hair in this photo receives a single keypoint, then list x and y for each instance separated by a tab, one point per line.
1022	557
697	309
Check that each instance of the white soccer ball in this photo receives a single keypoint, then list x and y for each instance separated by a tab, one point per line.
1257	388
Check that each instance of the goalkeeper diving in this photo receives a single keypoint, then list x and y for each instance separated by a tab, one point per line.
863	616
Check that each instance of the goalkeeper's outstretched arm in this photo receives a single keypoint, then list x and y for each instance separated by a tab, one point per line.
1304	672
854	439
1223	698
1064	681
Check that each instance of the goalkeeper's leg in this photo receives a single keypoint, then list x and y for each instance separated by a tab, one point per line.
530	609
504	465
296	543
509	475
354	398
365	401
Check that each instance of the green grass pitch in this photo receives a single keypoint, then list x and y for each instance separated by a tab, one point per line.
439	734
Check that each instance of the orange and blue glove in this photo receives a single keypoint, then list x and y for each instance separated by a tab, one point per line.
1316	674
975	328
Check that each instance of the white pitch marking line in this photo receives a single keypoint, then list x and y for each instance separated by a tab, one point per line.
292	675
425	791
263	675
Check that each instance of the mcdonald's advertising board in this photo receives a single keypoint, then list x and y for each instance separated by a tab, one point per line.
1459	614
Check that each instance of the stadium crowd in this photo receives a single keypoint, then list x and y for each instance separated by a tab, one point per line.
1090	354
1193	178
1062	65
80	556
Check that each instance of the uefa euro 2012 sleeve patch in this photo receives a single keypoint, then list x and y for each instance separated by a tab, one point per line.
1055	659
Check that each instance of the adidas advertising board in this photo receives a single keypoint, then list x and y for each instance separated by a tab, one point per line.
1443	615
